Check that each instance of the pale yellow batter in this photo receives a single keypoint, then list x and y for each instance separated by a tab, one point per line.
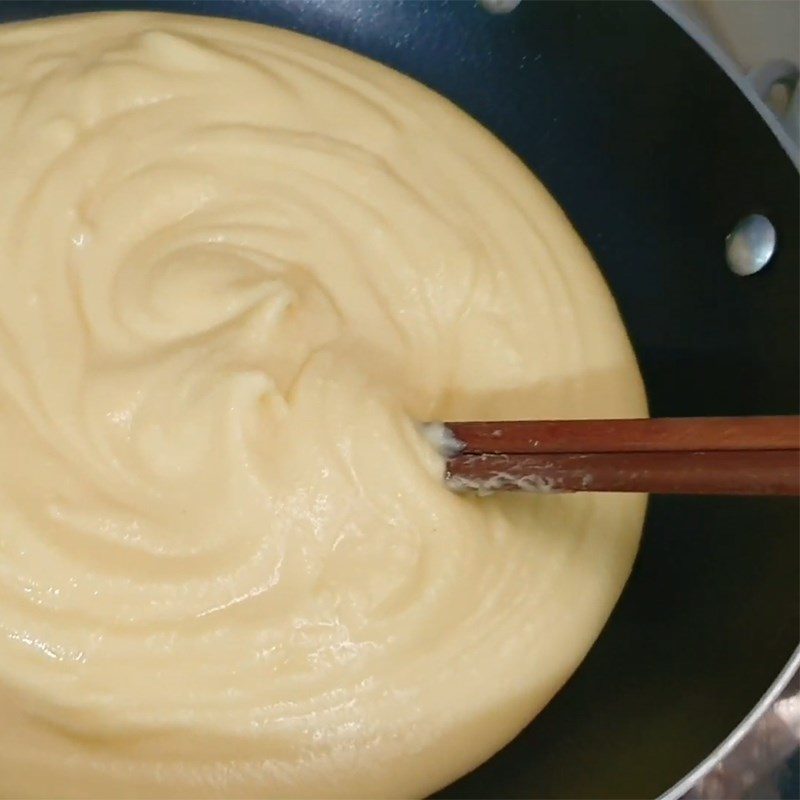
236	266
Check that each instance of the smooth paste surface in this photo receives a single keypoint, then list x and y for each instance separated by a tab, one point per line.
236	266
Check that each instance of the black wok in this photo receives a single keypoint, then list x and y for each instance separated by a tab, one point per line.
654	154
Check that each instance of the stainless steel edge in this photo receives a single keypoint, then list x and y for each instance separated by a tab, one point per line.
726	750
701	36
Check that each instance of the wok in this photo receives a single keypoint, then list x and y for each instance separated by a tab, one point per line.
654	154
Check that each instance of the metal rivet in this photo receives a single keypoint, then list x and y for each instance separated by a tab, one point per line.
750	245
500	6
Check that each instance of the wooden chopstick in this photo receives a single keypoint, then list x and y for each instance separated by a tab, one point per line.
629	435
733	455
754	472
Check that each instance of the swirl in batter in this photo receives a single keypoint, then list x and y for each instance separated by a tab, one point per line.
236	265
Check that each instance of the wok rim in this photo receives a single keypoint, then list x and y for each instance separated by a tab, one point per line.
732	740
729	67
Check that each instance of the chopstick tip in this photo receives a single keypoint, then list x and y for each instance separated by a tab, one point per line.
441	438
